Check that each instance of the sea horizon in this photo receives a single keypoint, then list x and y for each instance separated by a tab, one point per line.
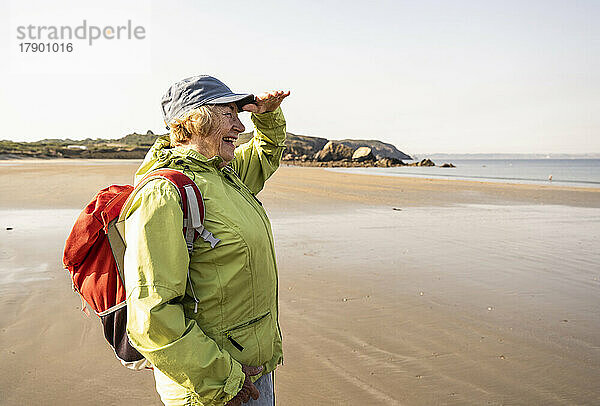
546	171
494	155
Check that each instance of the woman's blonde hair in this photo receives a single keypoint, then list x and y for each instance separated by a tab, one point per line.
198	121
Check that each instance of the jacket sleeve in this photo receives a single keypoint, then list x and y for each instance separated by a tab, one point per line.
156	267
256	160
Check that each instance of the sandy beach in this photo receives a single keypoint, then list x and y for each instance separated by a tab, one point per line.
393	291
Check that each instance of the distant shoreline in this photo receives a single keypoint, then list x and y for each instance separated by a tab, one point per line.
397	191
451	178
427	174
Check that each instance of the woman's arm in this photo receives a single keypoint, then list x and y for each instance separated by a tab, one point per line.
256	160
156	267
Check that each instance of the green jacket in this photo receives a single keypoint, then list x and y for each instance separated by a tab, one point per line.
233	285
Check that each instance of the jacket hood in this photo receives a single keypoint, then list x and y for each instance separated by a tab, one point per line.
162	155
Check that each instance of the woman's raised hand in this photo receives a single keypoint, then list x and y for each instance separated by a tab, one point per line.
267	101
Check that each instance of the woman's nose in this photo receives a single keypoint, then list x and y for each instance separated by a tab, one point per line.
238	126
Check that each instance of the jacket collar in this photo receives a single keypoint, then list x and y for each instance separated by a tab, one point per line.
195	155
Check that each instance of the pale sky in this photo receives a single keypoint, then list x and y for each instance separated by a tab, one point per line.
426	76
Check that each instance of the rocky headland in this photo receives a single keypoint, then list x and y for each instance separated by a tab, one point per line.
303	150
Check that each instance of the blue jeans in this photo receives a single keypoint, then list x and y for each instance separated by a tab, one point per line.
264	384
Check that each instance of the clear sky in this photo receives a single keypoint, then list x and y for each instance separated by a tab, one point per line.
427	76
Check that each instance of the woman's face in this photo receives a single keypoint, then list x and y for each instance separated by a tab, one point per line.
220	142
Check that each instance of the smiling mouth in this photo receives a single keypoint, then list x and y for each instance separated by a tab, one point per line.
230	140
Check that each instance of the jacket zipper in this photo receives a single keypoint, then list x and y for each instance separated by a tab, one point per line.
196	301
235	343
228	177
246	324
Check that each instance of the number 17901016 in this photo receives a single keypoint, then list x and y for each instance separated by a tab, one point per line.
46	47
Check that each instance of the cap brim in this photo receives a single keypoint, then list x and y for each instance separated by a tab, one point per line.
239	99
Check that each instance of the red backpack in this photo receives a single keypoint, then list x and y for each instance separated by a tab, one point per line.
95	249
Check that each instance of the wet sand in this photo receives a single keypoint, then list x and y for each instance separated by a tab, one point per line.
392	291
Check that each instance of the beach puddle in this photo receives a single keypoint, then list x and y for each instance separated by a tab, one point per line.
31	245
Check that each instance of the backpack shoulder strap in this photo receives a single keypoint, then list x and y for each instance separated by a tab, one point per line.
192	204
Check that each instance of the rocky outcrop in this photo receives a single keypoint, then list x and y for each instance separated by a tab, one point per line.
333	151
304	148
447	165
388	162
379	149
304	145
423	162
363	154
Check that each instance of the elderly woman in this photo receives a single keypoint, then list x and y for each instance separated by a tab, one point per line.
207	322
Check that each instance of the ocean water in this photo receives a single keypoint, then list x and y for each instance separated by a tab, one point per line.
565	172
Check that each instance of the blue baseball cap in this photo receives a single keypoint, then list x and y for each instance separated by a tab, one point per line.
196	91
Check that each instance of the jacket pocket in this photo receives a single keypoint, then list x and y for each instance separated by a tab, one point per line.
251	342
